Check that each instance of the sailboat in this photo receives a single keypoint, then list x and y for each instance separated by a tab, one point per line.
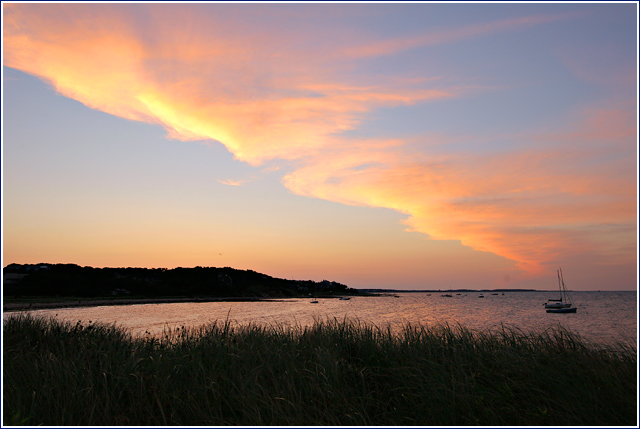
564	304
558	303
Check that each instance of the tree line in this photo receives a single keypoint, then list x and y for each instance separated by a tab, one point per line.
75	280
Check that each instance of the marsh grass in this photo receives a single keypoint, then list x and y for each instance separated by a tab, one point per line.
332	373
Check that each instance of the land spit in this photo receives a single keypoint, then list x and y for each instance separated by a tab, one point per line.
43	305
67	303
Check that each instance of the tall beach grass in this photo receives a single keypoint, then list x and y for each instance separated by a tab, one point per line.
332	373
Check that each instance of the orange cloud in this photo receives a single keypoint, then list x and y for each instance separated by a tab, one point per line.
196	87
533	206
232	182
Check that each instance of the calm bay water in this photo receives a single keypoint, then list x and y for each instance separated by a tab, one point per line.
602	317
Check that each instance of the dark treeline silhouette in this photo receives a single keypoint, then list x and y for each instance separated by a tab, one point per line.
74	280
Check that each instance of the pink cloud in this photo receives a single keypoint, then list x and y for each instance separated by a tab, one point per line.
232	182
532	206
229	88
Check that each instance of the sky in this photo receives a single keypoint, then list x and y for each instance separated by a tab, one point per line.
405	146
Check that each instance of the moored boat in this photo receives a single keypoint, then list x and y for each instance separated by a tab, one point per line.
560	302
563	304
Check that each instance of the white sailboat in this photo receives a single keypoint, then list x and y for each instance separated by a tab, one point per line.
564	304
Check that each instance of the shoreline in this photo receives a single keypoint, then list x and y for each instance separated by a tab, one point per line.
26	306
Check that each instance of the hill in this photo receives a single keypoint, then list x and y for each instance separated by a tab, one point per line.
73	280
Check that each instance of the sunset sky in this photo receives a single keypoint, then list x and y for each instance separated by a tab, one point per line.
407	146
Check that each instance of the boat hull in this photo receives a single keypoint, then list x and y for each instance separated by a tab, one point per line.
562	310
557	305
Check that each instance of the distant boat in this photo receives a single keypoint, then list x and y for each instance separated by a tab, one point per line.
314	302
563	304
345	298
481	296
447	295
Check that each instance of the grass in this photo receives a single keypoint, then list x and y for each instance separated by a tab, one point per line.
333	373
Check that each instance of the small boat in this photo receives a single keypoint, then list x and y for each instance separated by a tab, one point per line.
563	304
481	296
345	298
447	295
560	302
314	302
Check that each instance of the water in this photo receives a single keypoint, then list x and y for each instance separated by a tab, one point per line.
603	317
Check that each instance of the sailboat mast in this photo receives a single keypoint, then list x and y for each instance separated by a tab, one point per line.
564	288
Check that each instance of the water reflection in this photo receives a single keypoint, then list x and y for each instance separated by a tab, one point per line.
603	317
